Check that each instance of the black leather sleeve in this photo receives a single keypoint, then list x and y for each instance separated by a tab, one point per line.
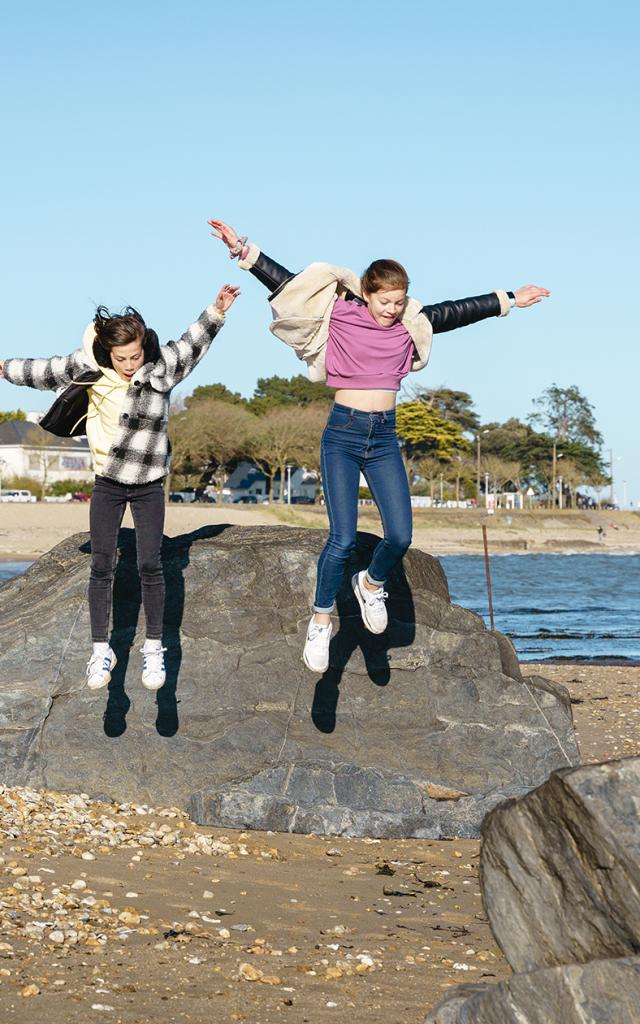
270	273
446	316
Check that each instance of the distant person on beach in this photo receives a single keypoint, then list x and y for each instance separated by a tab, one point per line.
362	336
128	378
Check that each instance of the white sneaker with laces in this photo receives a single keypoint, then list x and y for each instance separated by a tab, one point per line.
372	606
153	670
316	648
100	666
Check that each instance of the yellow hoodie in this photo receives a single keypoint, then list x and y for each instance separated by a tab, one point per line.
106	397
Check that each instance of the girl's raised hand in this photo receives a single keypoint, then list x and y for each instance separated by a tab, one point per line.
224	232
529	294
226	297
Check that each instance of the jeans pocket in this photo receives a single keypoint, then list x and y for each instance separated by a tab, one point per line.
340	421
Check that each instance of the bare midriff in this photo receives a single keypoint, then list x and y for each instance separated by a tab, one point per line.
367	401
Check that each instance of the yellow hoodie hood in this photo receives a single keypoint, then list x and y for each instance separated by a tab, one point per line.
106	396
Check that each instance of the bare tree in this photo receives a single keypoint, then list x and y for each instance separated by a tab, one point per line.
429	468
42	457
210	433
288	436
459	469
501	472
571	475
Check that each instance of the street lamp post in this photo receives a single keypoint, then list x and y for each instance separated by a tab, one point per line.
486	490
478	435
554	464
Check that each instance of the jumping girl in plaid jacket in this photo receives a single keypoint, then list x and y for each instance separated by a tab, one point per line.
129	378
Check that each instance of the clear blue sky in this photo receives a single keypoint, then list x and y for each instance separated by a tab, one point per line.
483	145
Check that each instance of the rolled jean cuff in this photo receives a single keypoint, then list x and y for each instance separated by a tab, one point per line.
323	611
374	583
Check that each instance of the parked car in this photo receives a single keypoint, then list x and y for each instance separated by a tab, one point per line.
182	496
17	496
246	499
81	496
302	499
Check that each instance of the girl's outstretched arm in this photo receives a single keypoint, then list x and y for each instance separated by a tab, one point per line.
179	358
271	274
45	374
447	316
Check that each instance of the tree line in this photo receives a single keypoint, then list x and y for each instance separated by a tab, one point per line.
448	451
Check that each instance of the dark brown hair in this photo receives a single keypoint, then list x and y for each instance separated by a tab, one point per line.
384	275
113	329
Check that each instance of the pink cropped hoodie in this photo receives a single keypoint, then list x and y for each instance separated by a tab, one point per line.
362	354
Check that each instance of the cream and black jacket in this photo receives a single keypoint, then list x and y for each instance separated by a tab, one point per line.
301	305
140	452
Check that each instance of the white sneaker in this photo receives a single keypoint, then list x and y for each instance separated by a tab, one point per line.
372	606
316	648
100	667
153	671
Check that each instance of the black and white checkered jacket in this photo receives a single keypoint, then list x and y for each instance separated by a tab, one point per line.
140	452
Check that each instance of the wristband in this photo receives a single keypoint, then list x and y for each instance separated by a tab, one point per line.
512	299
236	250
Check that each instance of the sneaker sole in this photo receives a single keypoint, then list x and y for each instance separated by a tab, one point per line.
154	686
107	679
363	608
318	671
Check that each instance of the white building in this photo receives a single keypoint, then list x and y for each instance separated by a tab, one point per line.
248	480
27	450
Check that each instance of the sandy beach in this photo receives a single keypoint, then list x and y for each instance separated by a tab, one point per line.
27	531
152	918
134	914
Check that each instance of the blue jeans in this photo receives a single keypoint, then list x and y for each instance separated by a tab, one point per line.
355	442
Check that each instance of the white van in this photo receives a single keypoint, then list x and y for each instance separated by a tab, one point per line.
17	496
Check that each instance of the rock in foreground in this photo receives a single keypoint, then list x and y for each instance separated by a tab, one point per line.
414	733
560	868
600	992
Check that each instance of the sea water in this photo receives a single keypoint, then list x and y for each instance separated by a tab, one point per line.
556	607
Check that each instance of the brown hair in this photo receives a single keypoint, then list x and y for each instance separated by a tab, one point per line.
384	275
116	329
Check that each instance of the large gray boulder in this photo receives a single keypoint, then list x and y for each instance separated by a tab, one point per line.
418	732
560	868
600	992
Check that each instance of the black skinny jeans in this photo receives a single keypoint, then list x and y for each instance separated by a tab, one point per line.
108	503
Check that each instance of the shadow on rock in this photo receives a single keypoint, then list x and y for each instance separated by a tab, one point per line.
127	600
353	635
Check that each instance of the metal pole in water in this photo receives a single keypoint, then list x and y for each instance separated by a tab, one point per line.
488	572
